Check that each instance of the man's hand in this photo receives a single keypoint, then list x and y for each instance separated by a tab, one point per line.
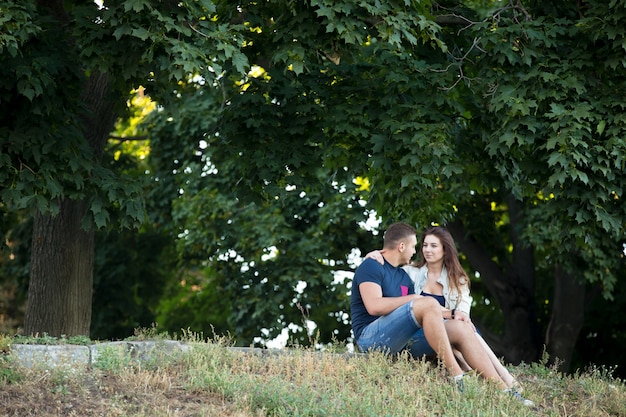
376	255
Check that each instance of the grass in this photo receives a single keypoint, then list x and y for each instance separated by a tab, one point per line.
214	380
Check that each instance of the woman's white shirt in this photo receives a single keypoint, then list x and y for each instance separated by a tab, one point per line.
450	294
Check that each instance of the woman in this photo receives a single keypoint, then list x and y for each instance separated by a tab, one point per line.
440	275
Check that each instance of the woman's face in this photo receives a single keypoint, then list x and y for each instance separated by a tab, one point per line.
432	249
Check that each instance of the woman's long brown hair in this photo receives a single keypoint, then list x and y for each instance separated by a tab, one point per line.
456	275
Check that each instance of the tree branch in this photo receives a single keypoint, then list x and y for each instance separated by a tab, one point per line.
453	20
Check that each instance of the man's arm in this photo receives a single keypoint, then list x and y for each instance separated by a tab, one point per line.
376	304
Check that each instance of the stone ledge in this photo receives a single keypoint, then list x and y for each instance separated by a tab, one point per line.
51	356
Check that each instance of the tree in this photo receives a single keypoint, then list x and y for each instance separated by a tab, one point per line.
67	71
500	120
282	136
560	166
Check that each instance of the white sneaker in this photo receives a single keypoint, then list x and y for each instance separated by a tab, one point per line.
458	381
517	386
519	397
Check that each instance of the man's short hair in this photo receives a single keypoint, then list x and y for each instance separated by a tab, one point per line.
396	233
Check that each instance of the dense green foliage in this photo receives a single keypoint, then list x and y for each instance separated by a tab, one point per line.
283	125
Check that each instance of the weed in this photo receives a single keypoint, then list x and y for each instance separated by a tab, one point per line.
112	358
9	374
5	344
44	339
149	333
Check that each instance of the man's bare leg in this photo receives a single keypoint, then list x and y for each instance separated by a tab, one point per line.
428	313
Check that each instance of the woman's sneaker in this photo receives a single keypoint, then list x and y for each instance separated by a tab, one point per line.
517	386
518	397
458	382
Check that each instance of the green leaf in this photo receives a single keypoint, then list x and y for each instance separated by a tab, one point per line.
141	33
297	67
136	5
241	63
556	110
122	30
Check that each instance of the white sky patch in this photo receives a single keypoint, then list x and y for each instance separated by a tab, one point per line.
198	79
373	221
270	253
231	255
279	342
300	287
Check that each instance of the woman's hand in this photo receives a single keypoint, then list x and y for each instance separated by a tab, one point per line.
377	255
461	316
458	315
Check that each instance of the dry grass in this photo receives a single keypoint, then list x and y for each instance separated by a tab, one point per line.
213	380
106	395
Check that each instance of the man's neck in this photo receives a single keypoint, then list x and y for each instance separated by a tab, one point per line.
393	260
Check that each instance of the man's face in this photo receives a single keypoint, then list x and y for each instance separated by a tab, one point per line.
408	249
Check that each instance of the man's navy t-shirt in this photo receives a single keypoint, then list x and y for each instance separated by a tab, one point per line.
394	282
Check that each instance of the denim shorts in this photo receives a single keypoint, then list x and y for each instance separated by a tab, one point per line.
397	331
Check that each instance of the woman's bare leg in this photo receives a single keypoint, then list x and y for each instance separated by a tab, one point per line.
461	360
462	337
504	373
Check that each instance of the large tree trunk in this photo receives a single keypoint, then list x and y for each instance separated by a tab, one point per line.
567	318
62	253
61	271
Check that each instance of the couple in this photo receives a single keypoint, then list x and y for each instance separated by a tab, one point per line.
396	306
